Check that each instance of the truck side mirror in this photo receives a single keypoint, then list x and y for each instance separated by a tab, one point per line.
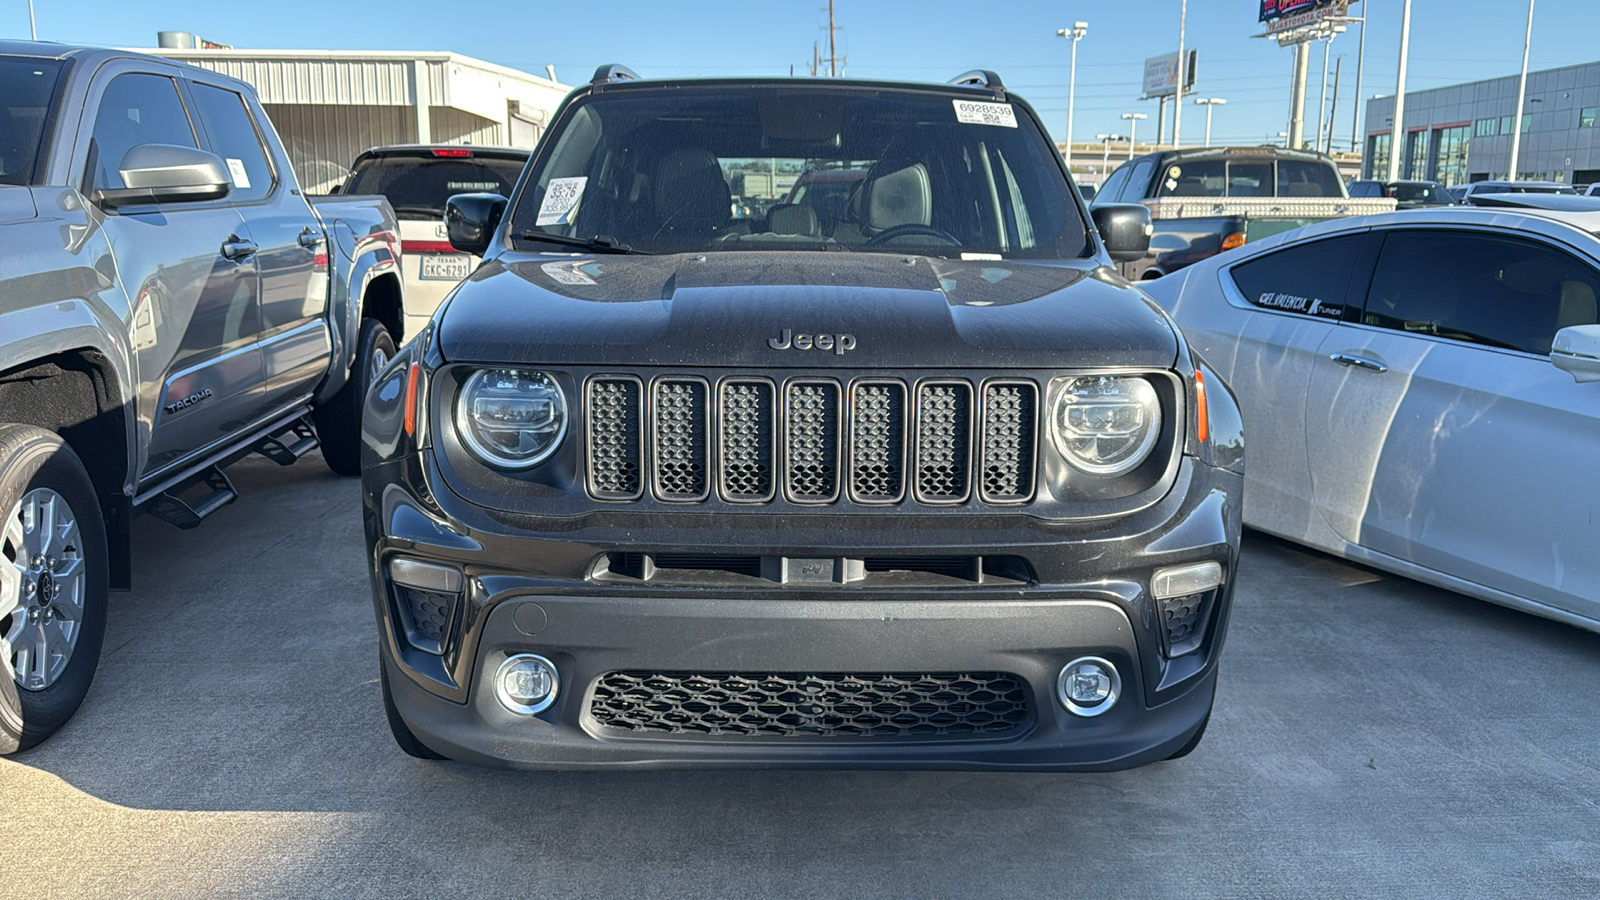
471	219
1125	228
1576	349
166	173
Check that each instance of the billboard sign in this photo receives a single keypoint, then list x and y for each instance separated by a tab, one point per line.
1286	14
1161	74
1272	9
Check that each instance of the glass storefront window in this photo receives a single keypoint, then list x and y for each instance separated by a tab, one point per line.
1378	156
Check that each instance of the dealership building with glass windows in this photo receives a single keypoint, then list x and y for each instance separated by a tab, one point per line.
1462	133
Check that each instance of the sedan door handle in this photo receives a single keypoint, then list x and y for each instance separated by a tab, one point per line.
1348	359
236	247
310	238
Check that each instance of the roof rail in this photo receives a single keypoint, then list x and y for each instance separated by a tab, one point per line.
980	78
612	73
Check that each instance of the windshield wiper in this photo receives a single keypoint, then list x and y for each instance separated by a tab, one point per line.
600	243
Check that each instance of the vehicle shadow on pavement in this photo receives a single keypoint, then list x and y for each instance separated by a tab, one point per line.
1370	733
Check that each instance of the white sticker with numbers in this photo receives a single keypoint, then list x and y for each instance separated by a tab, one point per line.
241	178
561	201
972	112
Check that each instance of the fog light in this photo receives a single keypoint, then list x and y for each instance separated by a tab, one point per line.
527	684
1089	686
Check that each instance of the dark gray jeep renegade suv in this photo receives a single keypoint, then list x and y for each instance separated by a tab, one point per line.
694	472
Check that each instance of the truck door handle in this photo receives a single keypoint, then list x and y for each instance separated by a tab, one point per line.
236	247
1348	359
310	238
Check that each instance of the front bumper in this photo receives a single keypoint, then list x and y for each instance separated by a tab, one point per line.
529	587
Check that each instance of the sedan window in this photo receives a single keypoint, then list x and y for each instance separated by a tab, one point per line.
1480	288
1311	279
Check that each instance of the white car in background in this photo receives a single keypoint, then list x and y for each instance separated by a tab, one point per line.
1417	391
417	180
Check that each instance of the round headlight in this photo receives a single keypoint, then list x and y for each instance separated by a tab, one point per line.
512	418
1106	424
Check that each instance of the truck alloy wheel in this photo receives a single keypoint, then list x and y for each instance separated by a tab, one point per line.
52	585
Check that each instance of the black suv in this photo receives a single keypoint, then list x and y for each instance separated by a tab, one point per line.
914	480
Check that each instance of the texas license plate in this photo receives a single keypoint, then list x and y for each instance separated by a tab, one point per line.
441	267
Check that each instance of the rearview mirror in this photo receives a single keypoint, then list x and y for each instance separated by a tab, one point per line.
1576	349
166	173
470	220
1125	228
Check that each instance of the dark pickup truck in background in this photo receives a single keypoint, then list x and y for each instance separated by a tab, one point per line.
170	302
1205	201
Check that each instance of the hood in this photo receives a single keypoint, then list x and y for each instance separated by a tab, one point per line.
801	310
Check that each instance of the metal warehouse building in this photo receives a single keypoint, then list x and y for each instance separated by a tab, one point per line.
329	105
1463	133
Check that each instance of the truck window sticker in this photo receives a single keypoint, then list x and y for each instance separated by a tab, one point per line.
973	112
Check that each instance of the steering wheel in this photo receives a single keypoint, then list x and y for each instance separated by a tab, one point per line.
889	234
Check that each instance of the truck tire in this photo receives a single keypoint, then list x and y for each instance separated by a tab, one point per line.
339	420
397	726
53	585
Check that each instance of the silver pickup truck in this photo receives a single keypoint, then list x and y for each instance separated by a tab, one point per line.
170	301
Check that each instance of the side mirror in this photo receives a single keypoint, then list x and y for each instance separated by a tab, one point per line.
167	173
1576	349
1125	228
471	220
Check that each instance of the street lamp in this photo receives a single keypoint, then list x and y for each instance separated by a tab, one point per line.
1209	102
1133	126
1105	151
1522	94
1076	32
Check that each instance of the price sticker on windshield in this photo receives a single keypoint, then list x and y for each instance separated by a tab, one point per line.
972	112
561	201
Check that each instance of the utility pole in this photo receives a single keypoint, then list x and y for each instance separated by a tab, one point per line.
833	56
1133	127
1076	33
1398	130
1183	71
1333	113
1522	98
33	30
1361	62
1161	122
1322	98
816	58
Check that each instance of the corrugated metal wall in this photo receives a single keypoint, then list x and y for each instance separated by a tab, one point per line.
322	141
383	82
452	126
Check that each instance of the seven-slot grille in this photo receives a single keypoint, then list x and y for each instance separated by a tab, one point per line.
815	440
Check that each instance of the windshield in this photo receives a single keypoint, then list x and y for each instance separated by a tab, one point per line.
1421	193
25	89
417	187
798	167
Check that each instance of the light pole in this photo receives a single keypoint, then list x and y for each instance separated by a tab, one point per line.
1183	70
1522	97
1397	134
33	30
1105	152
1209	102
1076	33
1133	126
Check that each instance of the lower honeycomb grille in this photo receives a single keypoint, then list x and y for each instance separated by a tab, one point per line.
955	705
811	440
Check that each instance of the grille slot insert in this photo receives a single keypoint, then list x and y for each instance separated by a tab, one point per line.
878	442
613	405
746	440
811	441
964	705
1010	432
944	442
680	451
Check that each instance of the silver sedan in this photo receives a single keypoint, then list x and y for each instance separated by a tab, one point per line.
1416	388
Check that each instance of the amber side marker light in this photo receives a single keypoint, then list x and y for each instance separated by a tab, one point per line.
411	401
1233	241
1202	414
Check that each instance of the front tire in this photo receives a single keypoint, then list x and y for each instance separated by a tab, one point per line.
338	421
53	585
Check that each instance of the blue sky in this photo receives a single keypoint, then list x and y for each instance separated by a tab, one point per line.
1452	41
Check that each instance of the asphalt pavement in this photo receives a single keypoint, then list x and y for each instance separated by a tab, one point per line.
1373	737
